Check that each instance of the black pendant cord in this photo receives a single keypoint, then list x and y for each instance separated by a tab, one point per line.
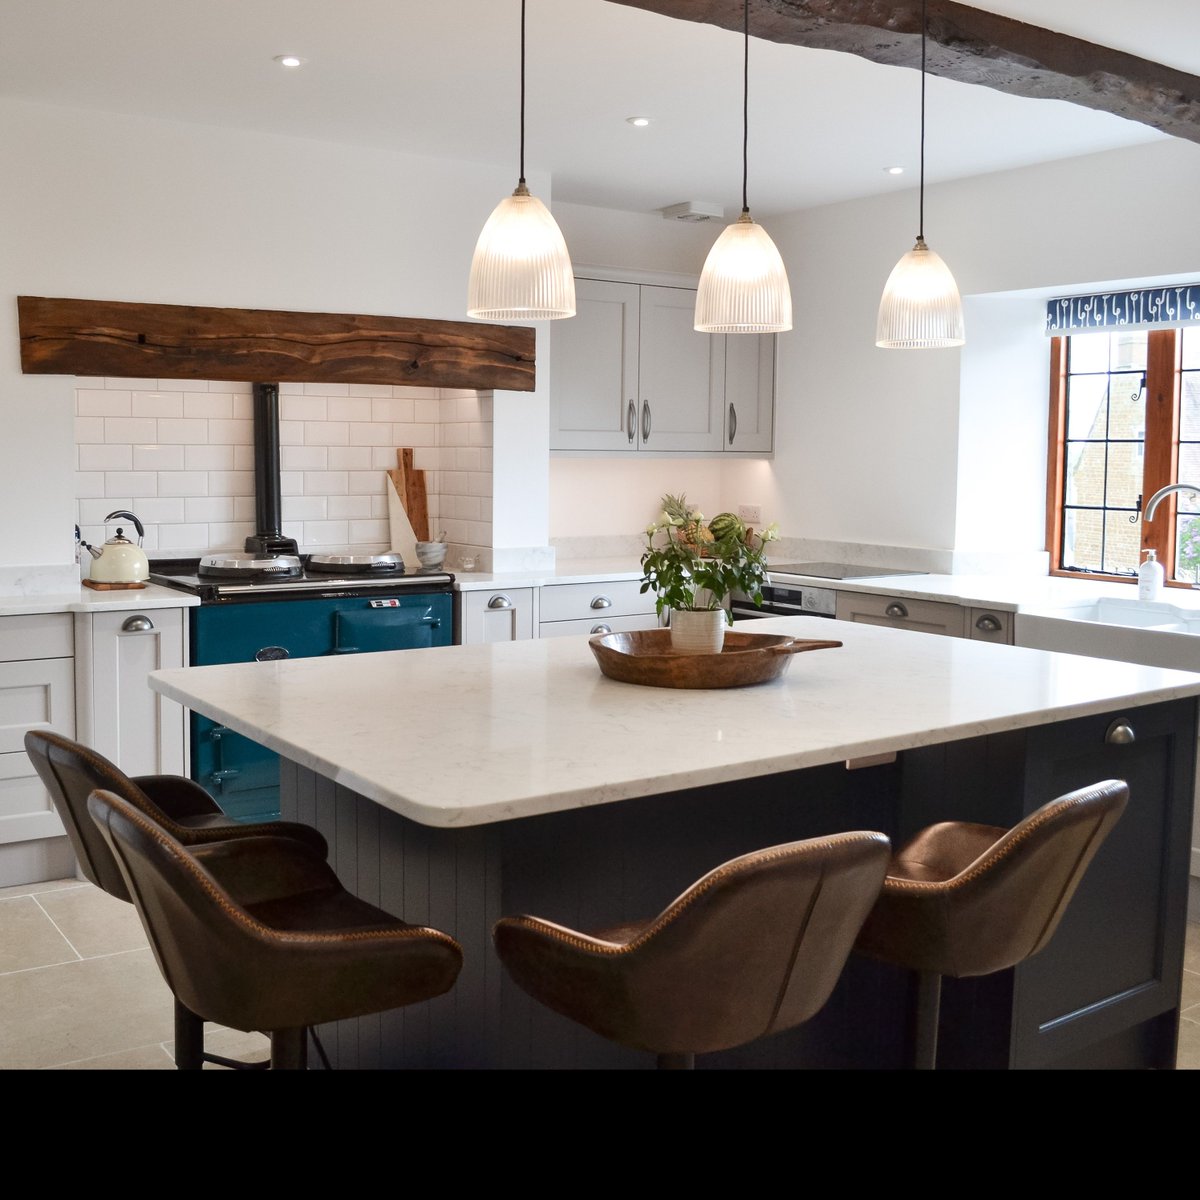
921	221
745	103
522	179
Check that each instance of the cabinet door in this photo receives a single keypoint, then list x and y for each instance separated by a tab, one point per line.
505	615
749	391
926	616
594	370
990	625
681	375
141	731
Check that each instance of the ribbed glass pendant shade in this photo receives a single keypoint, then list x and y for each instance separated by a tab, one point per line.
744	284
921	308
521	269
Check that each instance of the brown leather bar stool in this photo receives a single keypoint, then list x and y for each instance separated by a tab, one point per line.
753	948
962	899
71	771
258	934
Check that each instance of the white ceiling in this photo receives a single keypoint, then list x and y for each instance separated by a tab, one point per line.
439	77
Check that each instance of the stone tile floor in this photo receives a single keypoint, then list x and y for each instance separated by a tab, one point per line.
80	990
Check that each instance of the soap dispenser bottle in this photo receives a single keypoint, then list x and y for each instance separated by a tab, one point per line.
1150	577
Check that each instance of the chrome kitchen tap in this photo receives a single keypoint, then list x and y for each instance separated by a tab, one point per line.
1156	499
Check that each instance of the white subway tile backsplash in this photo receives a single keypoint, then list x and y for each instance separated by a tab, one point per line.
393	410
350	408
204	404
365	483
130	429
160	510
325	483
370	433
231	433
106	458
303	408
231	483
89	430
305	508
326	433
208	458
183	537
349	458
157	403
368	531
184	483
130	483
182	431
350	506
208	508
304	458
157	458
180	454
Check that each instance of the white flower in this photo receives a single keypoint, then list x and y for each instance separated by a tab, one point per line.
771	533
664	519
652	529
696	515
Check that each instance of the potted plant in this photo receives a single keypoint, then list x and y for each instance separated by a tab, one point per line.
693	566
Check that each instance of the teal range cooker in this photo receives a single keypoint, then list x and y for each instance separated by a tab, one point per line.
266	607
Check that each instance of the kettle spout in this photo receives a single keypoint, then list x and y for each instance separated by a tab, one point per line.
92	550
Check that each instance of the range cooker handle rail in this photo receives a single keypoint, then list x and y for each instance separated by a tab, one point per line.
222	772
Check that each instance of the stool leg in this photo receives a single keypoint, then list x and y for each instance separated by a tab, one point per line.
925	1020
289	1049
189	1039
676	1062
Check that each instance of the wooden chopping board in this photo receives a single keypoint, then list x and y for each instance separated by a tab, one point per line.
410	485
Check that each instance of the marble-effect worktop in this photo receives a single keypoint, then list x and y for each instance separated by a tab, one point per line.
89	600
466	735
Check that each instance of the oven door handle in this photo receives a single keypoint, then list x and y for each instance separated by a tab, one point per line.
364	631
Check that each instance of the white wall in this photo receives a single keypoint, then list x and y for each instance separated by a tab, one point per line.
110	207
868	442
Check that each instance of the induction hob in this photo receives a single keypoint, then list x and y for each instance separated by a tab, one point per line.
825	570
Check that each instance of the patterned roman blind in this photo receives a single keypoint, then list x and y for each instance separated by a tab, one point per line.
1147	308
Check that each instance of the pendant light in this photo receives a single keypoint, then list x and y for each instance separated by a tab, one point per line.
521	269
744	285
921	308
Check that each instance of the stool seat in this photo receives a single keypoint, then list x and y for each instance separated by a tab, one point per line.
962	899
259	934
754	947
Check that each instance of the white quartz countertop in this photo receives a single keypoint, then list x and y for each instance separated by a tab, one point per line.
572	570
87	600
466	735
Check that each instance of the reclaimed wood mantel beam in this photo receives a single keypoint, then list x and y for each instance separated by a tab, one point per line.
971	46
174	341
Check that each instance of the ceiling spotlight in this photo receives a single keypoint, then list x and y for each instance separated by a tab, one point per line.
289	60
894	170
640	122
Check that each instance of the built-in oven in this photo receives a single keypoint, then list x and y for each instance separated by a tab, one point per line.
786	600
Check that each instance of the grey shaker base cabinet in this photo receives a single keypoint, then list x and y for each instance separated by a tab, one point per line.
1104	993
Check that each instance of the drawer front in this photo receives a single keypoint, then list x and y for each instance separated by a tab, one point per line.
26	810
927	616
988	625
35	695
40	635
597	624
595	601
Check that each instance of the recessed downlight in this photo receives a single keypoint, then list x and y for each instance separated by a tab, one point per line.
290	60
639	122
894	170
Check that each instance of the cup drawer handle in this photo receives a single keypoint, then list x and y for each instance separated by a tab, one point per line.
138	624
601	602
500	601
895	609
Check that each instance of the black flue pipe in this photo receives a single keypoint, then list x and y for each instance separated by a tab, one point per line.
268	504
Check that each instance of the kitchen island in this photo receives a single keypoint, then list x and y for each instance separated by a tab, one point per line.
457	784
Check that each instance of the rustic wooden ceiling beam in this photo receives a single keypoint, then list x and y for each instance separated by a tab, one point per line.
175	341
971	46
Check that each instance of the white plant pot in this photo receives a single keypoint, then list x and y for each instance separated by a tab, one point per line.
697	631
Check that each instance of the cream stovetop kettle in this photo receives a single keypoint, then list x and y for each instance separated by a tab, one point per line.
119	561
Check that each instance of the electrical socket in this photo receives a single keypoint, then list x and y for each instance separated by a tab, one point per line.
750	513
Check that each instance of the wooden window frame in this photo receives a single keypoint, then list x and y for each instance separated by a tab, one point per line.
1160	458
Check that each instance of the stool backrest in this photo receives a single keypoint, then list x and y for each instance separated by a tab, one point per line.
71	772
754	947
